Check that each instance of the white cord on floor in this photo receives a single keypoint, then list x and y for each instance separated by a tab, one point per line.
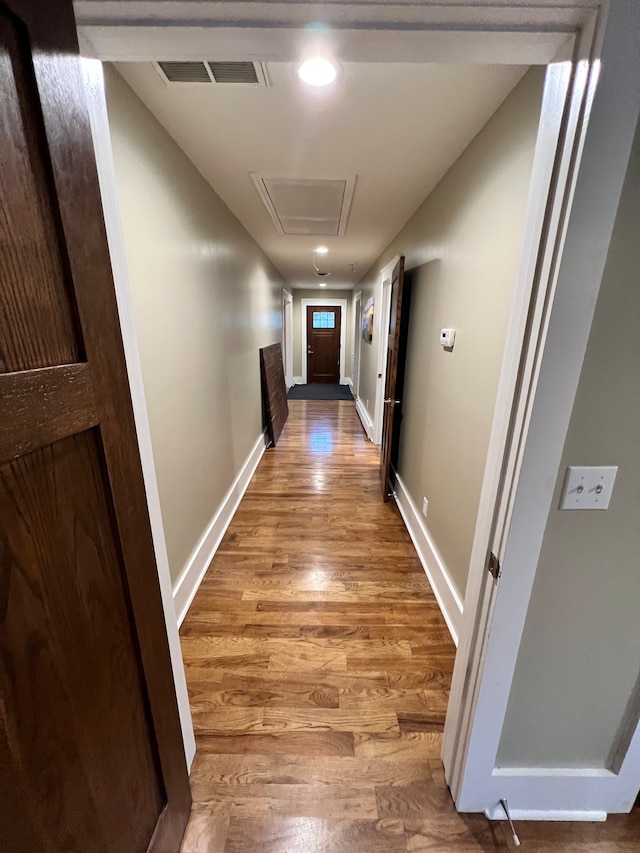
505	806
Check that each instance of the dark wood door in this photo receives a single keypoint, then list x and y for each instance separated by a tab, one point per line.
91	756
323	343
392	408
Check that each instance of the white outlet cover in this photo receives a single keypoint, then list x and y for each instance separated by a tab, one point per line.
425	506
588	487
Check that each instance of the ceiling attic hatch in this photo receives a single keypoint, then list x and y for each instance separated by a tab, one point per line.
301	206
236	73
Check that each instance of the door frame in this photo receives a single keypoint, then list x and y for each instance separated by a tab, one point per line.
94	87
357	344
381	332
287	337
332	303
472	32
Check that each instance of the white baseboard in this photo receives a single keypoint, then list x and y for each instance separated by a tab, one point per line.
348	382
197	565
497	813
446	594
298	380
363	414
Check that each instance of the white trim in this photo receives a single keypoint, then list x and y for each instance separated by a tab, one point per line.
343	305
365	418
382	333
197	565
497	813
349	382
298	380
287	337
357	342
523	32
94	89
443	588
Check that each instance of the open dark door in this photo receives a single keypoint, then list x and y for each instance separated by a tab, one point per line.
391	412
91	755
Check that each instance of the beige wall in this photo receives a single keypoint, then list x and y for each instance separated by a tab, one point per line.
320	293
578	659
463	245
205	299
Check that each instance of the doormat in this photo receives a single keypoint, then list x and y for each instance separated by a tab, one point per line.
320	391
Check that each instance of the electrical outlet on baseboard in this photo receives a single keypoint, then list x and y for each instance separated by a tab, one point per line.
425	506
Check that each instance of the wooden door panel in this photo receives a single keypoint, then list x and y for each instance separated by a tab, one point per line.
91	756
73	724
39	331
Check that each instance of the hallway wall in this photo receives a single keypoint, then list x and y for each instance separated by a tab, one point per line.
578	660
462	245
298	296
205	299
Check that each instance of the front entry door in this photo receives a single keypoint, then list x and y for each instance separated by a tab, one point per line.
323	343
91	755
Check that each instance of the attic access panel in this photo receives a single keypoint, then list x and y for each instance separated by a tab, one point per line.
302	206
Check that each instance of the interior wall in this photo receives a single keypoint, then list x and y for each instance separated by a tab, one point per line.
463	245
324	293
205	299
578	660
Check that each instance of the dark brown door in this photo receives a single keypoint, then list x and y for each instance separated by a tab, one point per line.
91	757
392	412
323	343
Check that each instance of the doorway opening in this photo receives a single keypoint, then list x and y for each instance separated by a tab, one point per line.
566	92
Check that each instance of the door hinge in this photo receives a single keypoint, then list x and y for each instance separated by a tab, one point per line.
494	565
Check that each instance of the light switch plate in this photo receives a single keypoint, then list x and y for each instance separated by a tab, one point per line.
588	487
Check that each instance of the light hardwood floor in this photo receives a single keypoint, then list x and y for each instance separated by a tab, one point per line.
319	666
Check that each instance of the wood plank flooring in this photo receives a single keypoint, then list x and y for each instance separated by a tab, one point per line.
319	666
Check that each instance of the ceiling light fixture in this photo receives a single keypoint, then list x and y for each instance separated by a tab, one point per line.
319	272
322	284
317	71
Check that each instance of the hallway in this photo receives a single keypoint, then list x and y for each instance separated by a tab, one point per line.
319	665
318	662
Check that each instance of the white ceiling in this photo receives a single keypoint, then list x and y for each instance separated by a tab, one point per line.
397	126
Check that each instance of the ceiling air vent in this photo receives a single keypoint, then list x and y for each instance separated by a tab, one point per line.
221	73
307	206
185	72
234	72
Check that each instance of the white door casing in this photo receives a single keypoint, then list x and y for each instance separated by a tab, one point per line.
357	342
287	337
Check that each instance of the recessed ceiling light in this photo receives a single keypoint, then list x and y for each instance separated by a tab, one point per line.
321	250
317	71
322	284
